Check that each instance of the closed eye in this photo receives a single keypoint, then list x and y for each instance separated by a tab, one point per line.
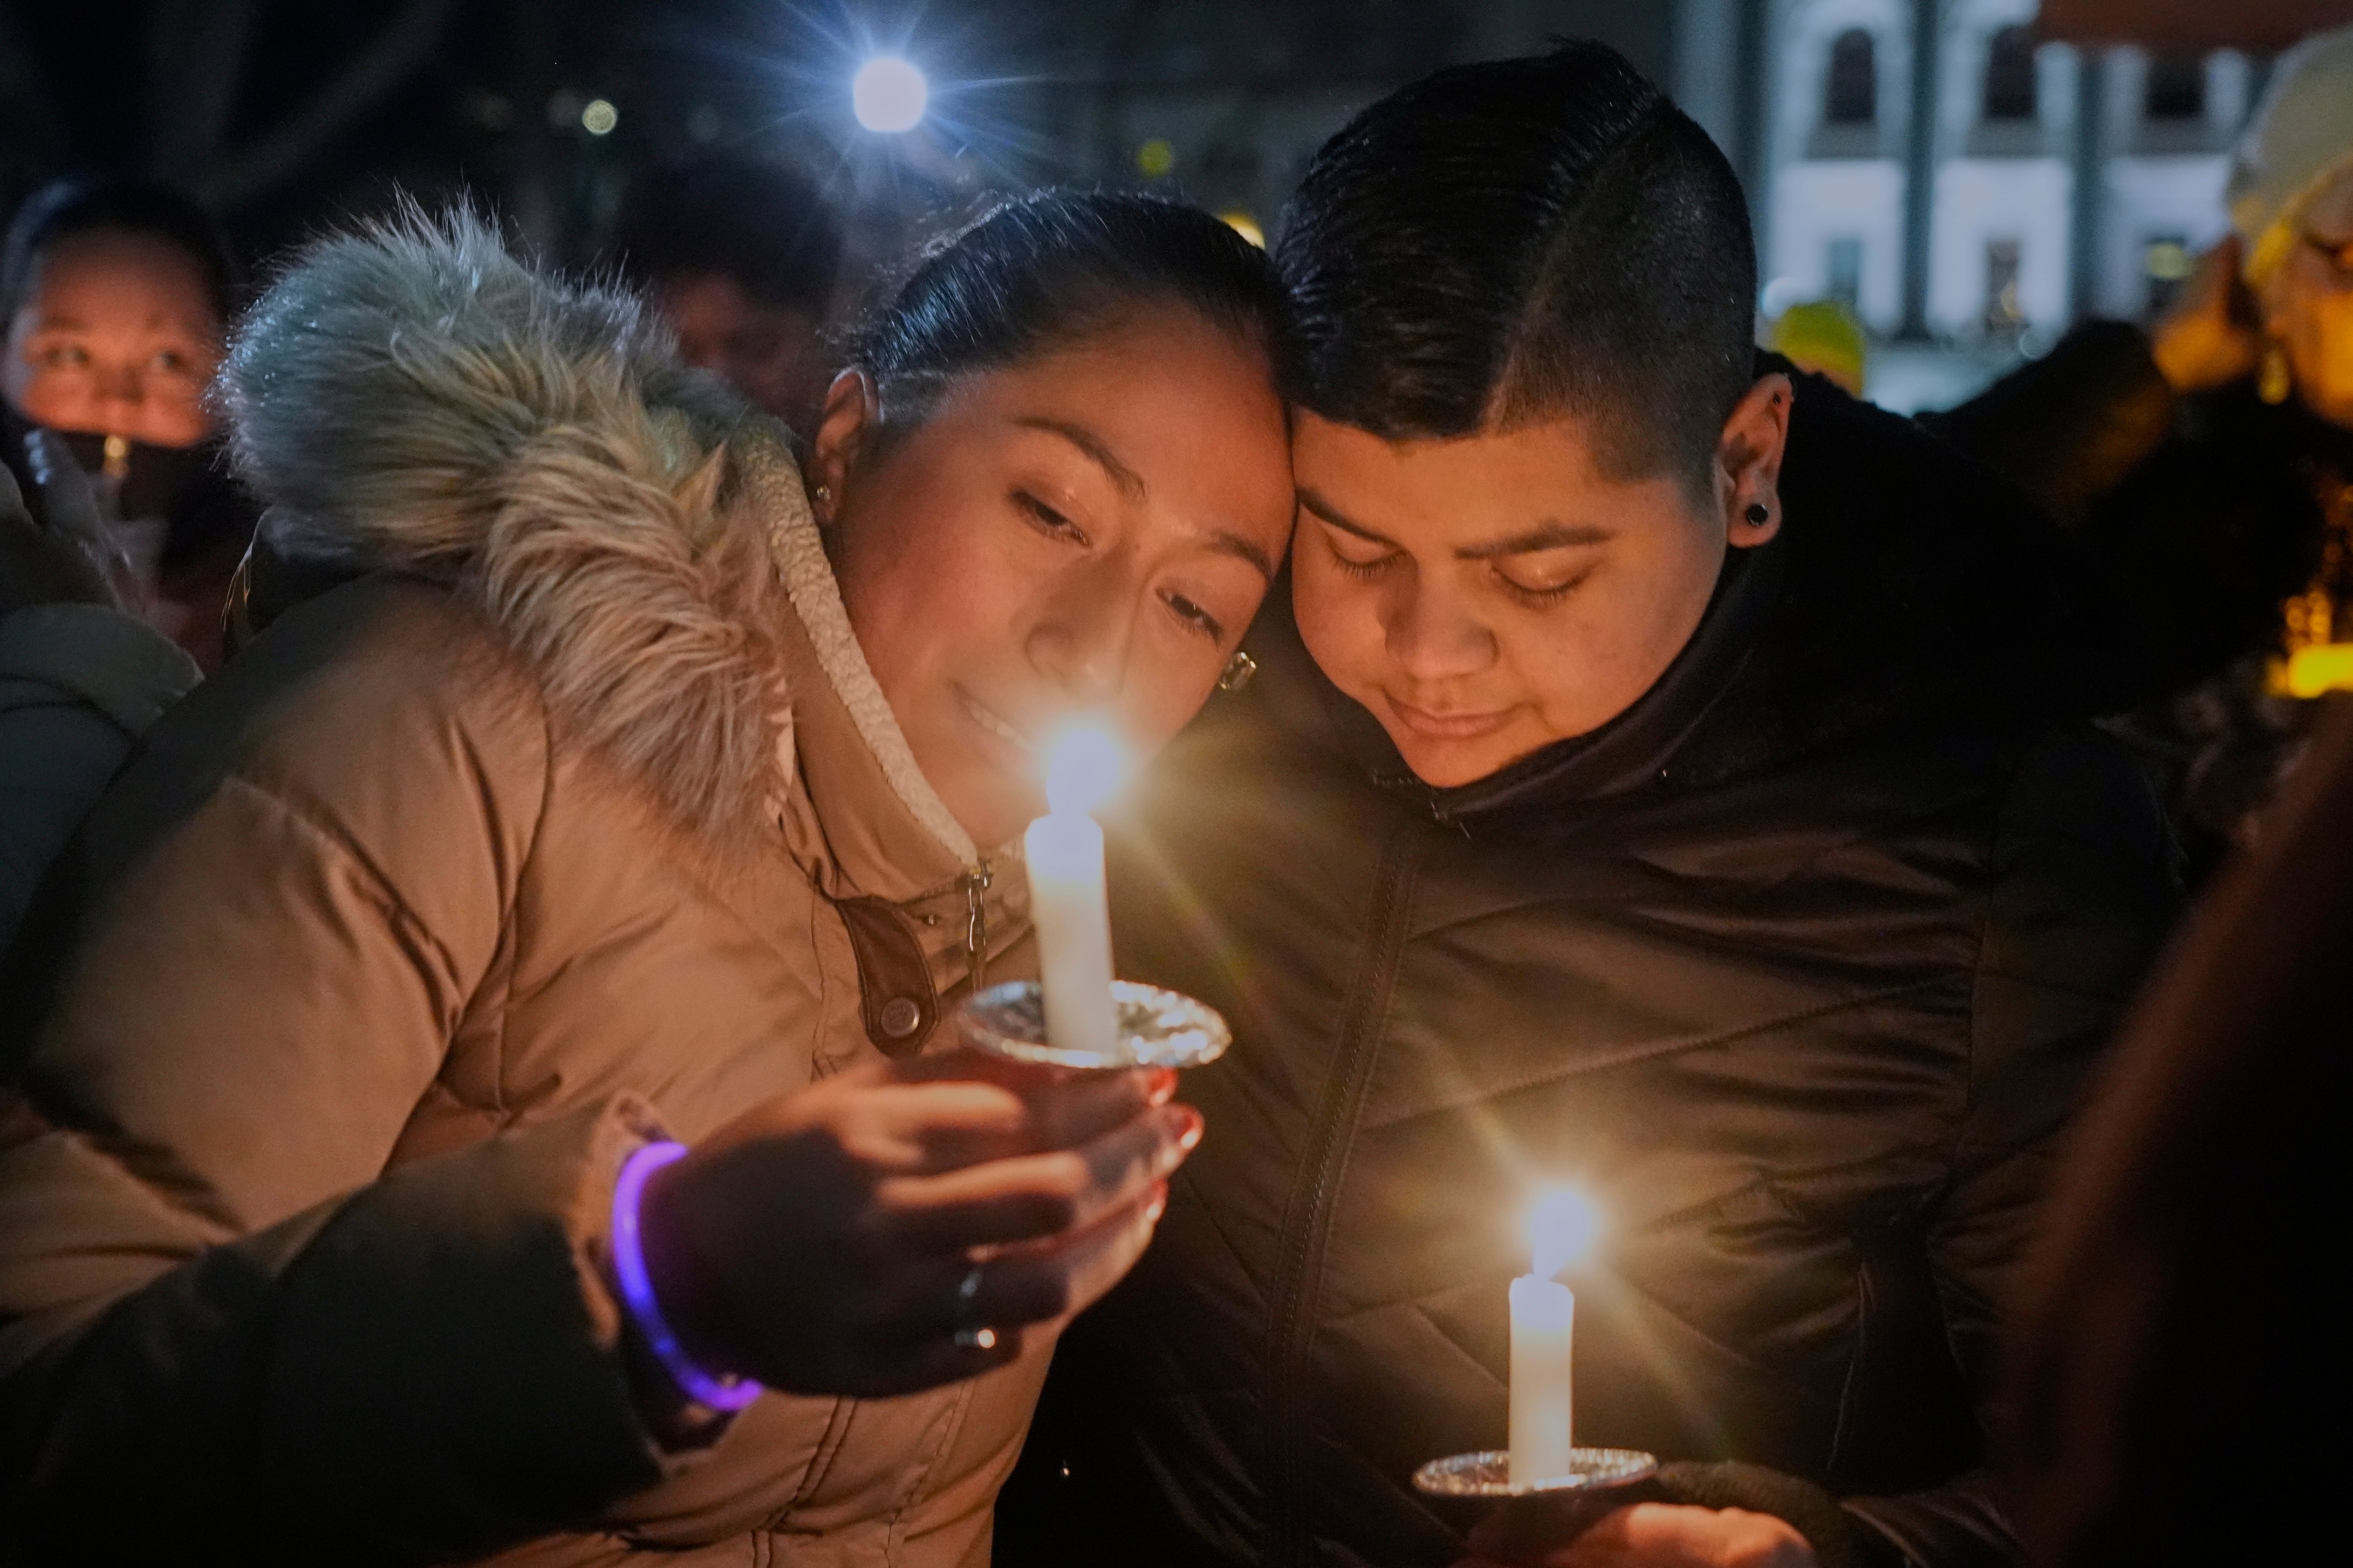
1546	594
1196	618
1046	521
1351	565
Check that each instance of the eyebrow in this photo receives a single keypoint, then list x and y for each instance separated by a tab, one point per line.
1228	544
1093	445
1224	542
152	325
1543	536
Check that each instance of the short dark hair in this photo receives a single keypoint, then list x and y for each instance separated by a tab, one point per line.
1041	271
1522	238
107	204
764	224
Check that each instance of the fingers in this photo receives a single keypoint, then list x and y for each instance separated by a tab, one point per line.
1033	1197
928	1127
1100	1258
1085	1106
1037	1284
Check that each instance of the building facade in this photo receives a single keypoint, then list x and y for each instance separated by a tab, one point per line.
1954	179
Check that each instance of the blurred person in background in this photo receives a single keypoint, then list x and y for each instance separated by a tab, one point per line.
742	257
2181	1312
117	295
631	799
2210	462
80	680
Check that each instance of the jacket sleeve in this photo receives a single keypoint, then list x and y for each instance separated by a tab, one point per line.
78	684
2082	891
2068	427
221	1320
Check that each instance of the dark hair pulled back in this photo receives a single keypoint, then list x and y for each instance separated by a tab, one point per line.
1040	272
82	205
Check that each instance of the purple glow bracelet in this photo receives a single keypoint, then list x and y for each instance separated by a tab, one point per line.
730	1393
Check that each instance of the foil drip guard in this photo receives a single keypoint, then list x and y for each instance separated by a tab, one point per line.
1487	1474
1156	1029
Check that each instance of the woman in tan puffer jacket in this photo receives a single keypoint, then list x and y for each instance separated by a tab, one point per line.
615	795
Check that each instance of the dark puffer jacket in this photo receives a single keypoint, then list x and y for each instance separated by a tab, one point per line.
1796	968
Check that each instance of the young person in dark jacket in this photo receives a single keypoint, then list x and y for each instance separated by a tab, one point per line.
1667	775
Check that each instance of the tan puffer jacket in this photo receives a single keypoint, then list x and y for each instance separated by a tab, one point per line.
580	817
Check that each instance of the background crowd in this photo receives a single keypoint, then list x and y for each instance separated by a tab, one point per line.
2198	604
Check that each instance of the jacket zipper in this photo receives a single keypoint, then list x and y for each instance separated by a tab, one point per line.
974	884
1307	1220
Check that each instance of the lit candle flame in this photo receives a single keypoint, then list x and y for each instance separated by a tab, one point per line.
1561	1229
1085	764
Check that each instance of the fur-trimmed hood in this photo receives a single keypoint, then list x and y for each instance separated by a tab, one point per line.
412	396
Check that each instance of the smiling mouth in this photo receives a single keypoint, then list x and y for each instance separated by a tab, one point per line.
1447	726
990	723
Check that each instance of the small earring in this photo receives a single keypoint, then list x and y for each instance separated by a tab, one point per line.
824	492
2272	380
1756	514
1238	672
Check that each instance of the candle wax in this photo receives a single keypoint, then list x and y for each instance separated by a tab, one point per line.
1542	1315
1072	914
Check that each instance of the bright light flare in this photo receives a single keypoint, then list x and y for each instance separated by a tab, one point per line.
1561	1229
598	117
1085	765
889	94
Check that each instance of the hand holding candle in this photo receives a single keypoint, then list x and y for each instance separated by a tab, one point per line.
1544	1313
1068	903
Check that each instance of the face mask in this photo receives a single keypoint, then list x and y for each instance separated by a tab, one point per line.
134	481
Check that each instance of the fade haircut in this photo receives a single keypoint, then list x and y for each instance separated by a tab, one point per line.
1503	243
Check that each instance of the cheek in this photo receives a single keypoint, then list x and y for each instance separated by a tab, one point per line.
1163	702
2325	344
1339	619
924	592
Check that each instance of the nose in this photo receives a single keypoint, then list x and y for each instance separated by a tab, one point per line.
1432	635
1081	641
119	384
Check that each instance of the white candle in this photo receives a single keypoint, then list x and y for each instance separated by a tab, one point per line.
1068	903
1544	1319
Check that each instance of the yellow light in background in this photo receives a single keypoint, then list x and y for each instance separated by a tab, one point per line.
1156	158
2169	259
1561	1229
1242	223
1085	765
2315	672
598	117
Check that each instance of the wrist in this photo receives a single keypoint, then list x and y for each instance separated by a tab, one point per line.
660	1284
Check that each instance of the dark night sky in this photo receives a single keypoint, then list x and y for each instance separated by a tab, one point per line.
269	107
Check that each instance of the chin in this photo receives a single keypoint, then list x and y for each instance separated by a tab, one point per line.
1443	766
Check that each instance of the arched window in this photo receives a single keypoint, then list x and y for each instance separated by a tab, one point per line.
2010	74
1851	96
2176	87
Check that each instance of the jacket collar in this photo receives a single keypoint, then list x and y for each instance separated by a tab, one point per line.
858	812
